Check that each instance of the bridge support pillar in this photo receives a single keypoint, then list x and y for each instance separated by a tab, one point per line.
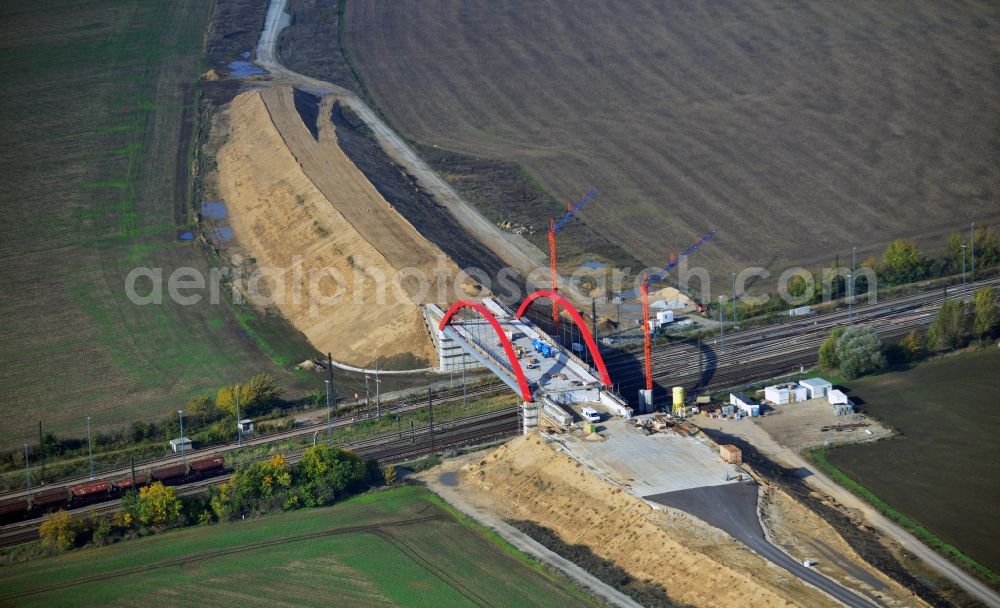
645	401
529	416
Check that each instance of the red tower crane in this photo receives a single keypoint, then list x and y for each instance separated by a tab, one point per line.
555	227
644	290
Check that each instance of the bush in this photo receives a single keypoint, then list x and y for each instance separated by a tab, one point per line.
949	330
155	505
255	396
912	346
60	531
828	350
326	472
984	316
902	262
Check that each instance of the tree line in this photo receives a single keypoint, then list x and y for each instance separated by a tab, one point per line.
858	350
322	476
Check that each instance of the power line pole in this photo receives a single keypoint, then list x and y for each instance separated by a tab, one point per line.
850	299
722	326
430	406
593	319
90	449
618	307
378	398
963	272
972	242
180	414
735	320
239	425
854	269
329	419
27	470
368	400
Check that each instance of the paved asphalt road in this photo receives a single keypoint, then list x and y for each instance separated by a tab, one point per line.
733	508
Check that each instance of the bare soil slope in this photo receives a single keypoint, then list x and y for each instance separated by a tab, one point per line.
296	200
526	480
798	131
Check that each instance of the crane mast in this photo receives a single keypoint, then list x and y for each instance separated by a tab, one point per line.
555	227
647	341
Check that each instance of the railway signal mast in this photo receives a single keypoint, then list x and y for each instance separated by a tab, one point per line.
555	227
646	396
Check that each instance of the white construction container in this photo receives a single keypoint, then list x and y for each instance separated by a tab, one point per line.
816	387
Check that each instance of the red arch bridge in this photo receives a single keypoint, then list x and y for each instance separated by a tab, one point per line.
535	366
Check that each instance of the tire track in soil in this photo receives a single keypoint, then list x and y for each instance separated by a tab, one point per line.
439	573
376	529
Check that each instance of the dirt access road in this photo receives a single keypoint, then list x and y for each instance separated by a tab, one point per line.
514	250
817	479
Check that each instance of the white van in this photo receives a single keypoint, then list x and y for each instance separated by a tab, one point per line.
590	414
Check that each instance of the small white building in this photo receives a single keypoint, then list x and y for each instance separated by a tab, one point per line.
780	394
816	387
245	427
663	317
181	444
745	404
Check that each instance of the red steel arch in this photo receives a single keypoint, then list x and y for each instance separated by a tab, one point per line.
568	307
504	340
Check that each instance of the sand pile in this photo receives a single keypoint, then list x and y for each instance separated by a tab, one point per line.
343	263
696	563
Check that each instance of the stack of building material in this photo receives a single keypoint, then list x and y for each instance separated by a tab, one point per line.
731	454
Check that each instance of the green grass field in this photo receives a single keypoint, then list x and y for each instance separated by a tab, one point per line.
401	547
97	111
939	477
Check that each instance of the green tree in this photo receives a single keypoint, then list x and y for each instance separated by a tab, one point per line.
950	328
389	475
203	409
984	317
797	286
828	350
859	351
158	505
60	531
326	472
259	486
954	258
257	395
987	246
902	262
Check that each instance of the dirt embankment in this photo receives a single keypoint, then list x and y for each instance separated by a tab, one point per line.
662	552
333	247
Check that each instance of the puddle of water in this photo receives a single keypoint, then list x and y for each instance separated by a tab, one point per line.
225	233
242	68
449	479
213	209
187	235
593	265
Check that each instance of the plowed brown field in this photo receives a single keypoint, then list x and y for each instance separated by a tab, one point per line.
796	130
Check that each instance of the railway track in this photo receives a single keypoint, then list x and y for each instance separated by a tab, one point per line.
408	404
769	351
395	447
